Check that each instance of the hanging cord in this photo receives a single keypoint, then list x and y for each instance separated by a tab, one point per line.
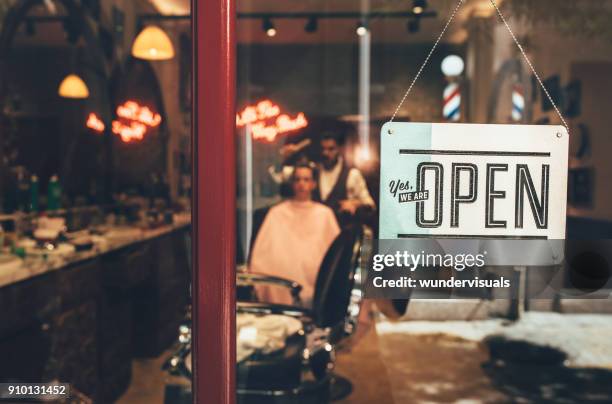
503	19
452	16
537	76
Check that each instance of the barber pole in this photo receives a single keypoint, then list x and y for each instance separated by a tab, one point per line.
518	103
452	102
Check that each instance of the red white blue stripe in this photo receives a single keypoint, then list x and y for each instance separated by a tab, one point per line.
452	102
518	103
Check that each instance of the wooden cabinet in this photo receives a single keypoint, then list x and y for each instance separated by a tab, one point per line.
159	303
48	327
83	323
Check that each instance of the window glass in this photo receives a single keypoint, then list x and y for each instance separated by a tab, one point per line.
95	212
316	81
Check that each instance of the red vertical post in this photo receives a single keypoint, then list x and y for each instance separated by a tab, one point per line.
214	201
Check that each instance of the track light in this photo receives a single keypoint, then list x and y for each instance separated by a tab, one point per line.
311	25
418	6
30	28
72	29
414	26
362	28
268	27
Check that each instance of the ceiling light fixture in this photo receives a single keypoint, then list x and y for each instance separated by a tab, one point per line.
311	25
50	5
30	28
362	28
268	27
153	44
418	6
414	25
73	87
452	66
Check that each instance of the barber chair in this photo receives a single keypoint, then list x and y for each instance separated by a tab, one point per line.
302	370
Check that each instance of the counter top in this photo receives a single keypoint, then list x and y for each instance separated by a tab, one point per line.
115	239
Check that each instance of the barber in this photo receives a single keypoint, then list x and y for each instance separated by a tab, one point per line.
342	187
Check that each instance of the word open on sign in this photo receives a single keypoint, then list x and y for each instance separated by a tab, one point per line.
473	181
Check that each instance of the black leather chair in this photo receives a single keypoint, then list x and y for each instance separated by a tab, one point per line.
302	372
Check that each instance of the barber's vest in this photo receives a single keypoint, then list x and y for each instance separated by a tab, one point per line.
338	192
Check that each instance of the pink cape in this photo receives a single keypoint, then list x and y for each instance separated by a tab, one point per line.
291	243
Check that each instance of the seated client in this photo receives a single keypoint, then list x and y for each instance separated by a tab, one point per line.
294	238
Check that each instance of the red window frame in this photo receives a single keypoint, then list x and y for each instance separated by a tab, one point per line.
214	201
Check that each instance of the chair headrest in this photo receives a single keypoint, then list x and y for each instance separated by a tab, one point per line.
335	279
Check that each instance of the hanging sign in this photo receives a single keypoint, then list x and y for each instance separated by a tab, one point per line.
473	181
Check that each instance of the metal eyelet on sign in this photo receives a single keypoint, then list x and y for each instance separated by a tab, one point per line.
390	131
559	135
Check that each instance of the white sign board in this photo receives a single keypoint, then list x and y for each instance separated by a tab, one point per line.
473	181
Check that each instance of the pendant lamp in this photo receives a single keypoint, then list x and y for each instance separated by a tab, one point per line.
73	87
152	44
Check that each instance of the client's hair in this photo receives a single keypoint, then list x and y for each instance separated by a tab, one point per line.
306	164
286	190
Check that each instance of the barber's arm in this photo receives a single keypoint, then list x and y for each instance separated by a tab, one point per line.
289	151
281	171
357	192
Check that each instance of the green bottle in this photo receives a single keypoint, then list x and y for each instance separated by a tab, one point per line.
34	193
54	194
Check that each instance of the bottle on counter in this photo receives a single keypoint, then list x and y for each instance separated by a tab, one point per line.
54	193
34	189
22	190
152	190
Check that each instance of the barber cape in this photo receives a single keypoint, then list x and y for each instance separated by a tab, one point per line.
291	244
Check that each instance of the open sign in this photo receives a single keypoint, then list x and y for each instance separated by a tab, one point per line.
473	181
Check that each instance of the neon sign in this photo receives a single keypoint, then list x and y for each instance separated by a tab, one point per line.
134	122
94	123
131	110
135	131
266	121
